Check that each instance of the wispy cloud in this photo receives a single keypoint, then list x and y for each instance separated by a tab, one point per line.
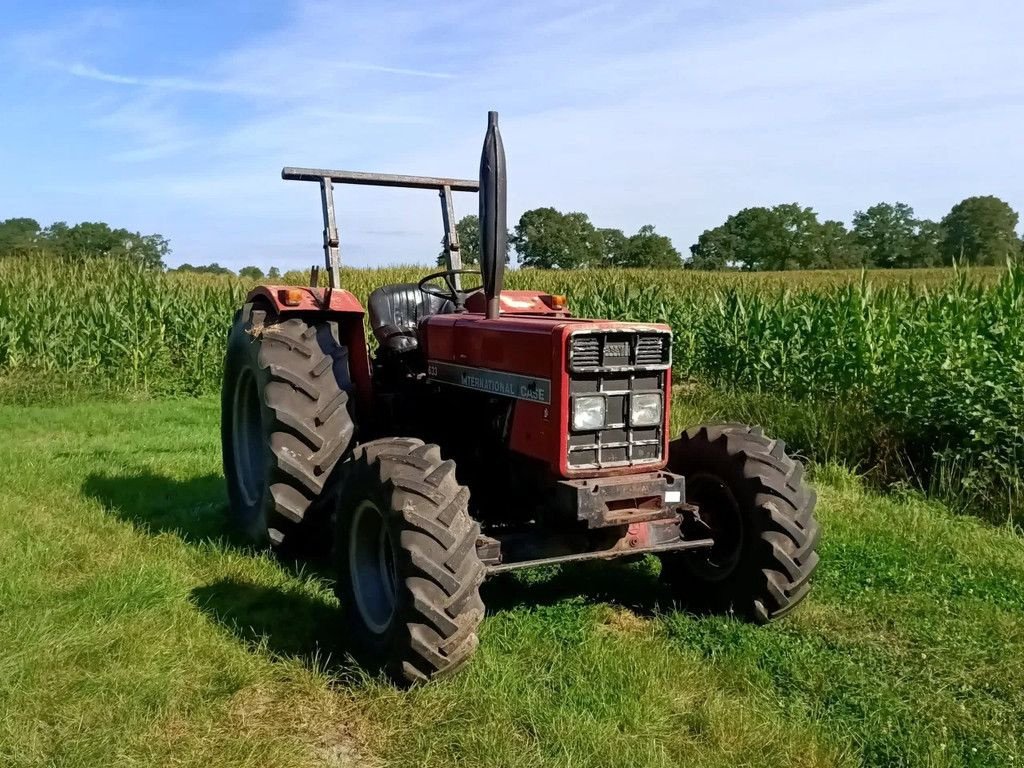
676	114
244	88
396	70
159	83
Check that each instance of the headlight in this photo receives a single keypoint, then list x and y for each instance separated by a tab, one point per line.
588	412
645	410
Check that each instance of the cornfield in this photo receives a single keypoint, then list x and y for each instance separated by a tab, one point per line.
934	356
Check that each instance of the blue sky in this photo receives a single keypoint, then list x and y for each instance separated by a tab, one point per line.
177	117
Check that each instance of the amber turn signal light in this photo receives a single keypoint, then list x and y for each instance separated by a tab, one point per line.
290	297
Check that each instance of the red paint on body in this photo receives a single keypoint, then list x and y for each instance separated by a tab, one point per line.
313	299
530	345
336	305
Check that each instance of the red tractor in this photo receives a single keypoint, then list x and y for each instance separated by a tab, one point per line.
490	430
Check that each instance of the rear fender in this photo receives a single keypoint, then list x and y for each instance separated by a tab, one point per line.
319	305
324	300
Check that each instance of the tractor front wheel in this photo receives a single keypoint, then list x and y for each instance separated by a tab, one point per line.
752	501
408	575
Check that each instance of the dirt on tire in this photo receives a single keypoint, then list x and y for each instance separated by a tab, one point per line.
437	610
285	426
755	503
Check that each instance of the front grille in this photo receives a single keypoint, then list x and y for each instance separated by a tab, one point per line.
617	444
585	352
650	350
619	350
617	364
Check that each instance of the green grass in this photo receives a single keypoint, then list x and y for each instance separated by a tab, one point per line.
135	631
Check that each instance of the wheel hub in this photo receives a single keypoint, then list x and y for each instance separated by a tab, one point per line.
372	568
720	517
247	428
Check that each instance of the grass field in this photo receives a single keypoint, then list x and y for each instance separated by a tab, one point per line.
135	632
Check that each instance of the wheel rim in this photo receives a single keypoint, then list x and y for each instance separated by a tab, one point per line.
720	512
372	570
247	429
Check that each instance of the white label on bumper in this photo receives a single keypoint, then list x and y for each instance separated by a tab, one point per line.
673	497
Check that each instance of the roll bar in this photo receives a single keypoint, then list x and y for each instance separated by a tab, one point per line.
328	178
492	206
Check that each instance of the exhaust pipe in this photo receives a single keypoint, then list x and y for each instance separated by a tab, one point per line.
493	215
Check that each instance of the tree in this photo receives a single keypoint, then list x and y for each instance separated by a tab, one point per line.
838	248
255	273
547	239
927	248
756	236
273	273
980	230
468	230
614	245
91	240
787	236
714	249
154	249
204	269
19	237
887	231
752	239
796	238
648	249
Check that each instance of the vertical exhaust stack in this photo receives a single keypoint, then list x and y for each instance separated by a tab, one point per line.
493	215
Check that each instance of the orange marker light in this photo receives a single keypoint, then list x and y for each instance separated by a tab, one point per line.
290	297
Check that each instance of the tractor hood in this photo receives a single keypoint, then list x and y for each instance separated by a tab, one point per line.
541	360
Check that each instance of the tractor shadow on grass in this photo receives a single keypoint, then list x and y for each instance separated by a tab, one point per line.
195	510
288	621
634	586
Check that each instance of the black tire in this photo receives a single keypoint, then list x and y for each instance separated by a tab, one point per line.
420	619
753	501
285	425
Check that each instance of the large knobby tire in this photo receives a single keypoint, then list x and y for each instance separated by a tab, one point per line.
754	503
285	425
408	575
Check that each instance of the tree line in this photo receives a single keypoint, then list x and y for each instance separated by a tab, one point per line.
977	230
24	237
80	242
545	238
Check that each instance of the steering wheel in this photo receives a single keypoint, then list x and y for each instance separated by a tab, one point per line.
452	294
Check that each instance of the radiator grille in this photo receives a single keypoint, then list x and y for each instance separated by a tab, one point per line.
617	443
585	352
619	350
617	363
650	350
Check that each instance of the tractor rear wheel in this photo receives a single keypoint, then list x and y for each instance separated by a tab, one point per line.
408	575
285	425
753	502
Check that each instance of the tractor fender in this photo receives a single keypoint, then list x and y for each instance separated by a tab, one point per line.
325	300
319	305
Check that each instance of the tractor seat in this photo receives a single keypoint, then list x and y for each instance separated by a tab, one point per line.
395	312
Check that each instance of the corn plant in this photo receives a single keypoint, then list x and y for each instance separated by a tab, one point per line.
937	356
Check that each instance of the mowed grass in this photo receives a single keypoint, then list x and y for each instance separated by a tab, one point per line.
135	631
